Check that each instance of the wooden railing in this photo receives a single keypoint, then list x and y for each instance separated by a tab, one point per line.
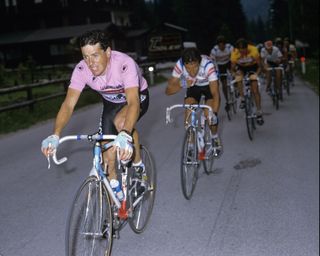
30	99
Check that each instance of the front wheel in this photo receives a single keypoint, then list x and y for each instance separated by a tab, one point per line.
89	226
208	149
142	191
189	163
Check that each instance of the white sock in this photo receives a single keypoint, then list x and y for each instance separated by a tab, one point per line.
137	164
214	136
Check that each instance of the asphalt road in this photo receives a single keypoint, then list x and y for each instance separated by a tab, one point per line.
262	200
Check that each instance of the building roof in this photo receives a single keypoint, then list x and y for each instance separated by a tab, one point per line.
49	33
175	27
137	32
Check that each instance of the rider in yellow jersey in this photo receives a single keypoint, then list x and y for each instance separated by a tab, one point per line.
245	58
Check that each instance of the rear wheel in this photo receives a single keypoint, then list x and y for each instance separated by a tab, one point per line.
189	163
142	200
89	226
249	117
286	83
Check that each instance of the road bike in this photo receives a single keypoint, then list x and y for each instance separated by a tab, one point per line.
249	107
197	145
275	93
97	214
289	76
232	95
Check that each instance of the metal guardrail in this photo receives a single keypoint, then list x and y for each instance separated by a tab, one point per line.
30	99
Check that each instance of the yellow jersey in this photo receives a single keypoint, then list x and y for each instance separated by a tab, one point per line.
251	57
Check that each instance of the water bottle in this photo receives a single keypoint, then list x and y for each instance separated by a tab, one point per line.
115	184
201	148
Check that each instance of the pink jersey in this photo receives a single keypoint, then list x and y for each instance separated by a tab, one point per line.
122	73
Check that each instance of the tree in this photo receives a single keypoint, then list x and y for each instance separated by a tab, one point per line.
297	19
204	19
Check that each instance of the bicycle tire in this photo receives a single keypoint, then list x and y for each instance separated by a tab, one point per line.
276	100
228	105
89	224
249	117
231	102
229	113
208	149
142	211
287	84
234	102
189	163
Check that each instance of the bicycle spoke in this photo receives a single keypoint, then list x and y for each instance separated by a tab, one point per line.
249	116
189	164
209	152
89	229
142	204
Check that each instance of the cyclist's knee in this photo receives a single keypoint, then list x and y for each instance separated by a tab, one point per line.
190	100
253	77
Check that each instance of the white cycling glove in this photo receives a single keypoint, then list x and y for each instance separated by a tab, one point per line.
183	82
124	142
52	141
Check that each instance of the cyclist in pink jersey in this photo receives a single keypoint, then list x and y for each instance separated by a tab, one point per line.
124	92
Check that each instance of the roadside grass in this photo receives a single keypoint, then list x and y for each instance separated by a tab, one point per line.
23	118
14	120
312	73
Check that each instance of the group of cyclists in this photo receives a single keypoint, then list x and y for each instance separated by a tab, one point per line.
124	90
200	74
118	79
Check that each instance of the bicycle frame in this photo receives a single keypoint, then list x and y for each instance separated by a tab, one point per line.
97	169
249	113
272	70
192	116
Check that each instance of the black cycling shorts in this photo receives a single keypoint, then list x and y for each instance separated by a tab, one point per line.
273	64
247	69
196	92
111	109
222	69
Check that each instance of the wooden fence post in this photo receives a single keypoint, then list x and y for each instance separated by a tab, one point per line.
30	98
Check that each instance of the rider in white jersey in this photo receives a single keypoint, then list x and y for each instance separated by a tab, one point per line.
271	56
197	74
221	54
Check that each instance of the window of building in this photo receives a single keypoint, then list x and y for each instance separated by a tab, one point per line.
57	49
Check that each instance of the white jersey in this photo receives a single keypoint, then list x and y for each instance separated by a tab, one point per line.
221	57
273	56
207	72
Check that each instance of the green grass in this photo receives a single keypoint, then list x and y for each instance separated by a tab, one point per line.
312	73
14	120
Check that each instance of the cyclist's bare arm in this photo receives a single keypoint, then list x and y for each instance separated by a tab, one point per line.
66	110
173	86
259	62
233	68
62	119
214	88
